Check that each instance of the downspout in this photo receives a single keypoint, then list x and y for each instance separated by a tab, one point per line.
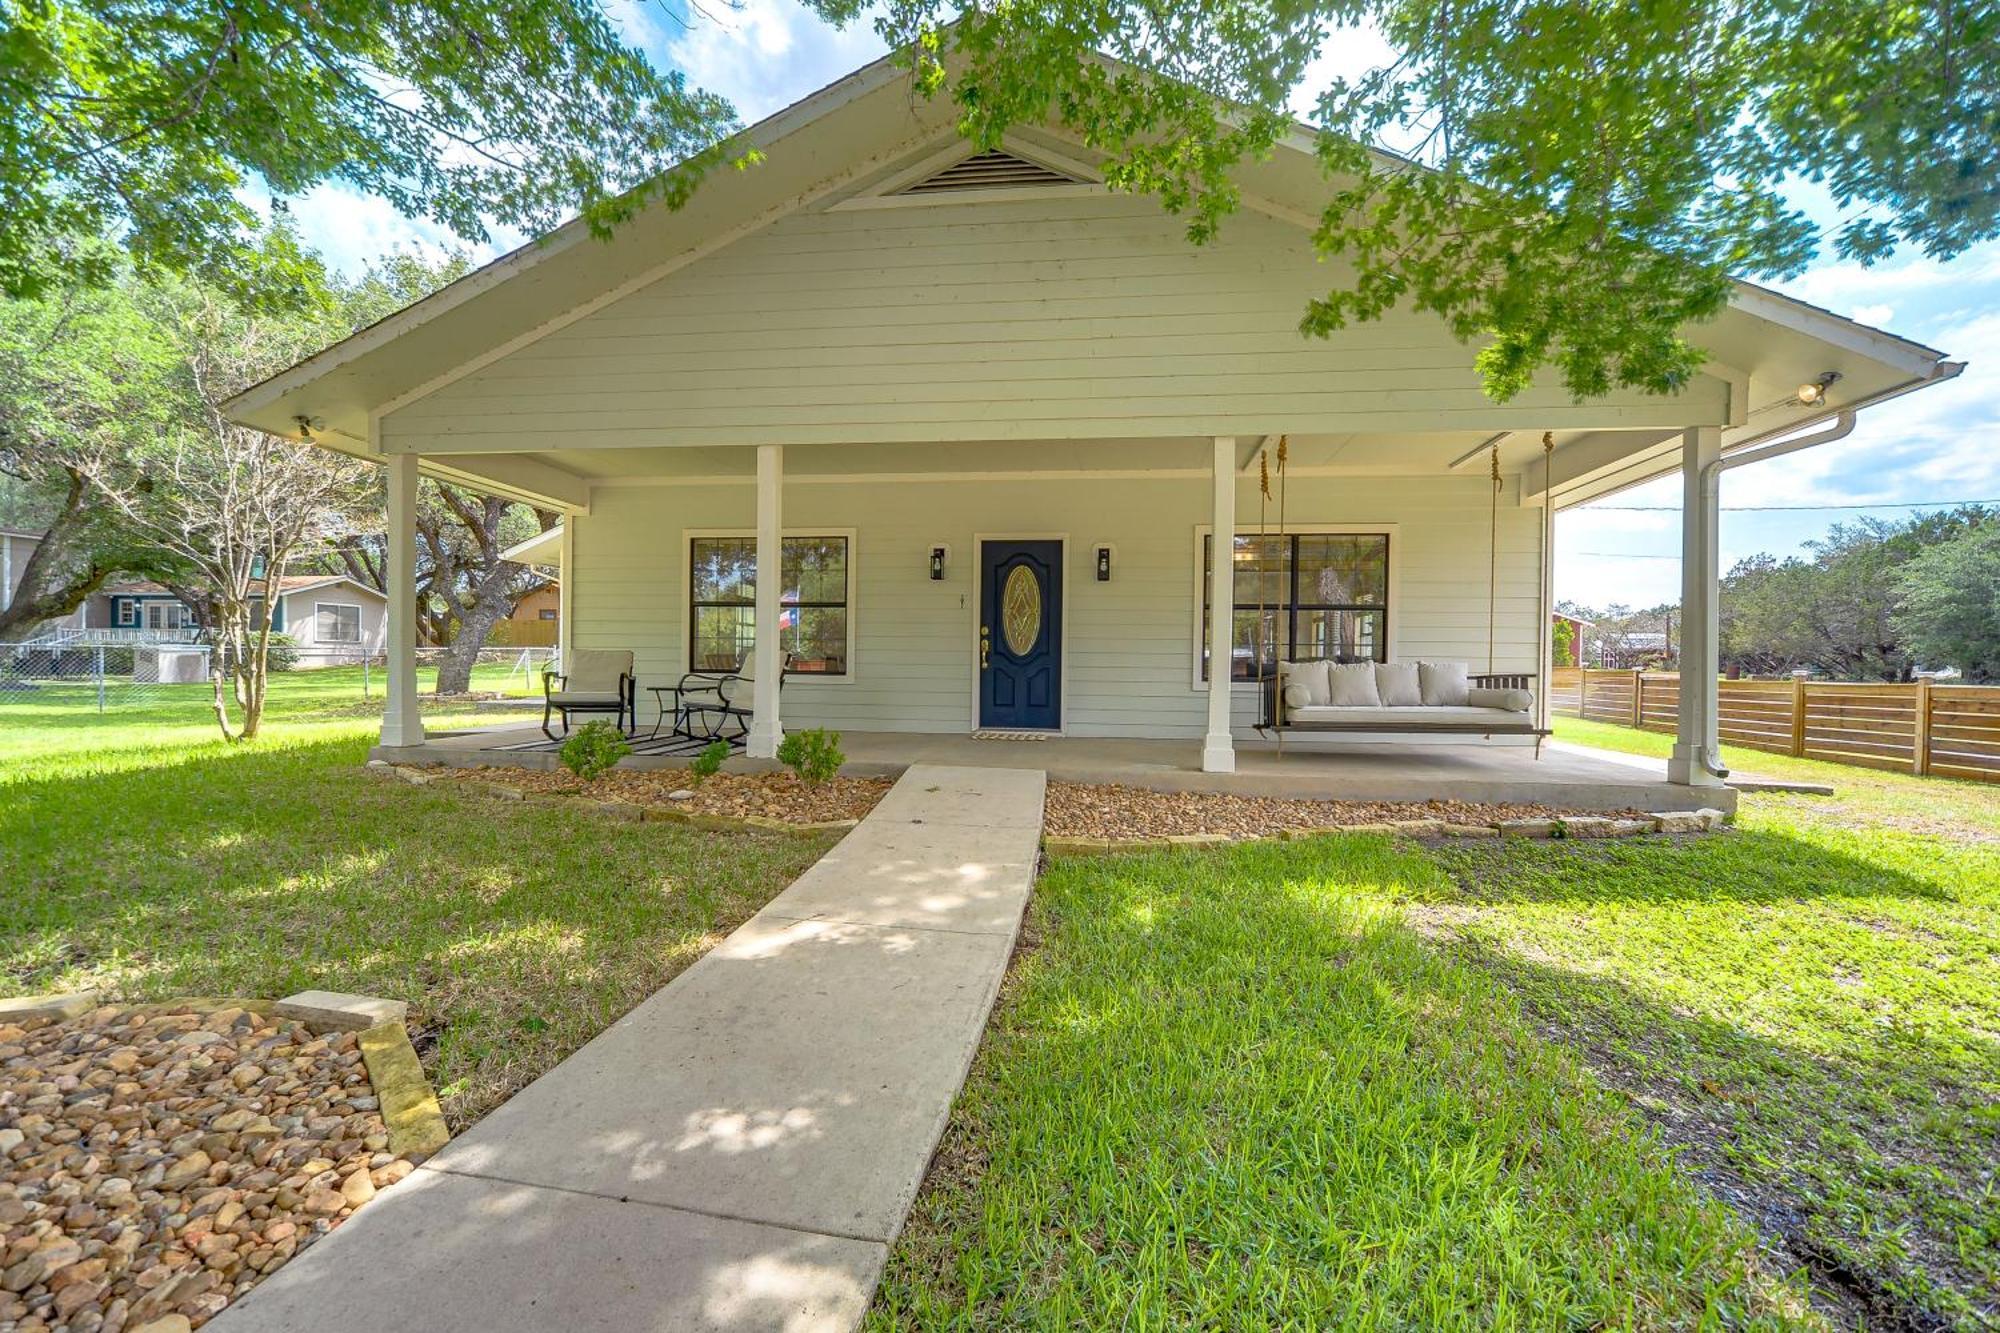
1711	494
1765	447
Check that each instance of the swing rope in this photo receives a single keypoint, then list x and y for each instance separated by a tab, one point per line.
1493	555
1545	640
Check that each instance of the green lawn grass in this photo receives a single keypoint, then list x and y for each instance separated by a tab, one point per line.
142	854
1236	1090
1341	1084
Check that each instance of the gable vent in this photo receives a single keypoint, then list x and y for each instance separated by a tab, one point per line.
994	169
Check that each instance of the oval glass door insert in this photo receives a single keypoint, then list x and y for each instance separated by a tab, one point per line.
1021	610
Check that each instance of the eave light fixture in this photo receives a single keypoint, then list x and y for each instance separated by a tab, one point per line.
1813	392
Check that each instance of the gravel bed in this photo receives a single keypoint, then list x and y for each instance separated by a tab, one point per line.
155	1163
771	795
1078	811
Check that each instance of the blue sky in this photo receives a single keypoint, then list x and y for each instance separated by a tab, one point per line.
1942	443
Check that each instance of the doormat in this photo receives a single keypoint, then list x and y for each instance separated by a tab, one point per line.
985	735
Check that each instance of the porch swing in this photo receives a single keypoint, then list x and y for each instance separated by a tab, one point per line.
1296	697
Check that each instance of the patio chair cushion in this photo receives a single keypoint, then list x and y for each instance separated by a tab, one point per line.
1398	684
1312	675
1443	684
585	698
1512	701
1352	685
596	670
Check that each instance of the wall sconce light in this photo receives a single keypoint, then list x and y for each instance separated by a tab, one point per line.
1104	564
939	554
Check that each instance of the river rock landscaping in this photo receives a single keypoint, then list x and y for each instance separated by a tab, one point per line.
156	1162
1120	814
779	796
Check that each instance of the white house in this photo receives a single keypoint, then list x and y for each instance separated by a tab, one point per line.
989	418
334	620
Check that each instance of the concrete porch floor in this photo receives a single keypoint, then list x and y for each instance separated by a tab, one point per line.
1570	776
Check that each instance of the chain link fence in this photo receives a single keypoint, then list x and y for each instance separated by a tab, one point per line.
106	673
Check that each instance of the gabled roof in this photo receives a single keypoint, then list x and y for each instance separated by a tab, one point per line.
292	583
870	133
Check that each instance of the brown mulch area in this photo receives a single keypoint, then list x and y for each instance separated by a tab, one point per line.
156	1163
737	795
1078	811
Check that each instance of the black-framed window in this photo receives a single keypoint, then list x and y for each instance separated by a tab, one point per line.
812	603
1302	595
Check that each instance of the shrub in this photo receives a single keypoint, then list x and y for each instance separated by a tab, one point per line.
594	748
814	755
282	654
709	762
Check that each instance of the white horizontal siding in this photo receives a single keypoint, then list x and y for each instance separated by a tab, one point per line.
1129	643
1054	318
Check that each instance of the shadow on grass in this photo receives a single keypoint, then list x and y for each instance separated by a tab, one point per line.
1873	1170
1812	1028
516	931
1741	866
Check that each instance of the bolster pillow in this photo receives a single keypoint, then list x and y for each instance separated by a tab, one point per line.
1512	701
1297	695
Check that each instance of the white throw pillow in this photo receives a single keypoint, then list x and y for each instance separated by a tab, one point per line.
1297	696
1511	701
1312	675
1398	685
1352	685
1443	684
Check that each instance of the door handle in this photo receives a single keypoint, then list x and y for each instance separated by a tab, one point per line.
985	646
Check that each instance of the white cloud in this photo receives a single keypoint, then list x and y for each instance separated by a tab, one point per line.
763	55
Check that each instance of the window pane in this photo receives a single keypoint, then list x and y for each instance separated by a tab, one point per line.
817	639
1343	570
1351	636
1251	640
1262	574
815	569
725	569
722	636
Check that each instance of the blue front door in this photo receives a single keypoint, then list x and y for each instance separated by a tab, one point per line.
1020	635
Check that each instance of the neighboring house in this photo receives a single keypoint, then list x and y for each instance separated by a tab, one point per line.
986	416
1579	642
543	605
333	619
140	605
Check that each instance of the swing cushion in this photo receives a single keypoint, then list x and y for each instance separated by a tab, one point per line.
1397	683
1443	684
1309	676
1352	685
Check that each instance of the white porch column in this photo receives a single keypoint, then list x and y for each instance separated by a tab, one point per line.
1218	750
765	728
401	724
1696	747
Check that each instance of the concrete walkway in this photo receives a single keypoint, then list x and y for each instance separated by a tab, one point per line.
740	1150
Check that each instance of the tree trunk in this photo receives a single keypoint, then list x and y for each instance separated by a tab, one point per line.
44	589
455	671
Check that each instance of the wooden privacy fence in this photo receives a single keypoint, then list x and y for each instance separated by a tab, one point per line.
1949	730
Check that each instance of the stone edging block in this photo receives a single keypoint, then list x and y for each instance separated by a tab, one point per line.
409	1107
337	1011
22	1007
1575	826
